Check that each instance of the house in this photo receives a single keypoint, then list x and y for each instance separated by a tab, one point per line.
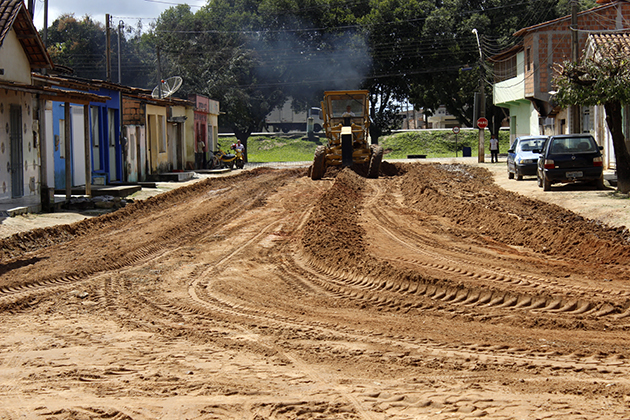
21	52
596	45
524	74
91	153
159	135
441	118
206	128
412	119
149	138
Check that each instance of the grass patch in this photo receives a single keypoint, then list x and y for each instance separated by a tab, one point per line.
438	144
275	149
432	143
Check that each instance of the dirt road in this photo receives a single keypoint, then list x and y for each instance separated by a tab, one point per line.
429	293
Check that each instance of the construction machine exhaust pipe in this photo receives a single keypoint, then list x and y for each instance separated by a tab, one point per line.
346	146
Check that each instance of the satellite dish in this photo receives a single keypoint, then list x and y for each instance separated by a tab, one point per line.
168	87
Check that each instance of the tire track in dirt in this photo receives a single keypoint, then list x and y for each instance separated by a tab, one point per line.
393	294
117	297
528	292
45	282
553	299
329	332
270	319
502	355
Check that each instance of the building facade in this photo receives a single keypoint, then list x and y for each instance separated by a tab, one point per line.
524	75
21	52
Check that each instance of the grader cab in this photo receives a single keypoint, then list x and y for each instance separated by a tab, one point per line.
346	124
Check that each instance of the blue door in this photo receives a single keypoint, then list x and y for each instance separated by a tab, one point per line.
59	135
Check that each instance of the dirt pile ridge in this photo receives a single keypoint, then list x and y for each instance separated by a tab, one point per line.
427	293
468	196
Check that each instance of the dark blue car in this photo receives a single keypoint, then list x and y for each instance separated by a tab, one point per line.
523	156
570	158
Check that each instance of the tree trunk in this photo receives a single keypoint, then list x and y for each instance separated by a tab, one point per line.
375	133
622	157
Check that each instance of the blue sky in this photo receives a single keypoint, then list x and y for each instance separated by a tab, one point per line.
126	10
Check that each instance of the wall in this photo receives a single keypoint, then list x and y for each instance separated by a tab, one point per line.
189	157
134	120
213	124
551	42
177	138
512	89
30	160
136	153
14	61
134	112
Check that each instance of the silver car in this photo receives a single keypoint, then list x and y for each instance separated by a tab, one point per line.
523	156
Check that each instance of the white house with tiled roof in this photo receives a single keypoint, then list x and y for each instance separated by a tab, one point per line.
21	52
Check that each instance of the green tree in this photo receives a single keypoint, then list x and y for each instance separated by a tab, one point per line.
299	48
394	33
452	69
314	45
138	57
602	78
79	45
213	50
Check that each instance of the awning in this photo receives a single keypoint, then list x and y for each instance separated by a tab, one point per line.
55	94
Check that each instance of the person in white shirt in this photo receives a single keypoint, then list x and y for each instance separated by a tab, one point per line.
494	149
238	146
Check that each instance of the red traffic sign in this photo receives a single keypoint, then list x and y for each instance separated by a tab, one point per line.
456	129
482	122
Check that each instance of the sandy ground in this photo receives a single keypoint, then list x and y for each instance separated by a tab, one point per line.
433	292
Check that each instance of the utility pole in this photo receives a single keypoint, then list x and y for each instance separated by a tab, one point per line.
482	103
159	73
121	136
574	127
108	48
120	24
46	24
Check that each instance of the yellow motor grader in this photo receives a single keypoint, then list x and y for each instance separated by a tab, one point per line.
346	124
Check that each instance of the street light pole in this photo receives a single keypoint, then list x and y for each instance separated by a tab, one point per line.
574	126
482	103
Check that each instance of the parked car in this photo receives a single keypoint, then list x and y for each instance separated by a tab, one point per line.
570	158
523	156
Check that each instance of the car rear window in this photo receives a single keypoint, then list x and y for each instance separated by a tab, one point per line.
573	145
529	145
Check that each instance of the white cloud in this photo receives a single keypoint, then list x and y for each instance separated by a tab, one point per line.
128	10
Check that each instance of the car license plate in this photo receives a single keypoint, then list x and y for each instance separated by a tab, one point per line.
574	174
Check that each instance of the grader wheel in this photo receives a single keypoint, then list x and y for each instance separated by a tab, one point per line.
318	167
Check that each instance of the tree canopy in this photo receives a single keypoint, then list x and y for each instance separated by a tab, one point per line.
601	78
252	55
80	44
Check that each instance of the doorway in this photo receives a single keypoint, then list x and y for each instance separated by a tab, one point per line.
17	167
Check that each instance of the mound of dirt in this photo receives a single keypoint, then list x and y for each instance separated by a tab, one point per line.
469	198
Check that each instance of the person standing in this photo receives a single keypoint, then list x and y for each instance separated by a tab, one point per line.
494	149
199	156
239	147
